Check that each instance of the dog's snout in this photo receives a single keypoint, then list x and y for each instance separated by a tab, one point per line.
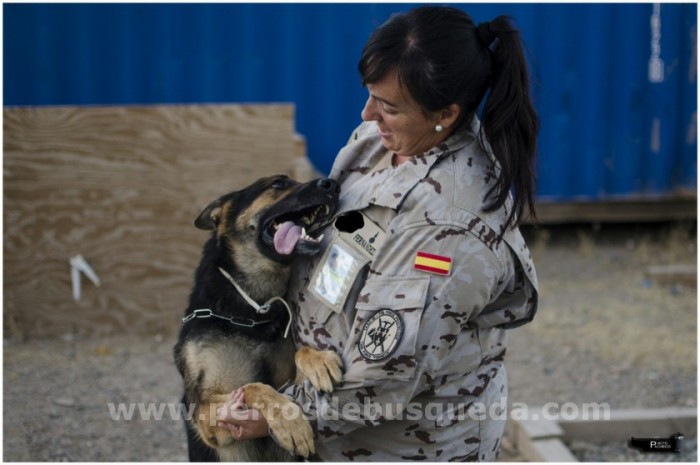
329	185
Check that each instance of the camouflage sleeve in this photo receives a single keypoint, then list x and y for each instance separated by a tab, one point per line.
406	341
350	406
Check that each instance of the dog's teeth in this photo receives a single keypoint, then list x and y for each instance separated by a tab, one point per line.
320	238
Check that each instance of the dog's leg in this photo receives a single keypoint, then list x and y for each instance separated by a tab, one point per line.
205	421
198	451
285	418
322	367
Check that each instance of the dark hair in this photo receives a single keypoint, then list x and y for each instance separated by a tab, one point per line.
441	57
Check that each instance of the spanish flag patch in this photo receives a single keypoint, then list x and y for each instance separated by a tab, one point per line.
433	263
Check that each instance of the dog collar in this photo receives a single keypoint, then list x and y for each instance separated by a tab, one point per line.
207	313
264	308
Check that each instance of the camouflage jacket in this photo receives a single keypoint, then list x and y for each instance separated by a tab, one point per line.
420	327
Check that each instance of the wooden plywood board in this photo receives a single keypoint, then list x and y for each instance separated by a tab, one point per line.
121	186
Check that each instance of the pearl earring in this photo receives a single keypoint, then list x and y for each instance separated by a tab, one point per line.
439	128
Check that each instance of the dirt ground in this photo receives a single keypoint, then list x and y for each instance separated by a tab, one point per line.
605	332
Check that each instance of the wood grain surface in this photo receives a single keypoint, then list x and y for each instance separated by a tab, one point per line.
121	186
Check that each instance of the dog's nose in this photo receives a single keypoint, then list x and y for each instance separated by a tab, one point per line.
329	185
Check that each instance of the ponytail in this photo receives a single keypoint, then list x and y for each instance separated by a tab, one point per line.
442	58
509	120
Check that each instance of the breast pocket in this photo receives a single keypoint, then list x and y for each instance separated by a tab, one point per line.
382	343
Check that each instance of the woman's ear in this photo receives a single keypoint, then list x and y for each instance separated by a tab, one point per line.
448	116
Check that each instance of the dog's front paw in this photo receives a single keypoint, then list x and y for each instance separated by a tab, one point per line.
286	420
322	367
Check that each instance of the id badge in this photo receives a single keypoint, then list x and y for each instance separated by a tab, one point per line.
344	258
336	274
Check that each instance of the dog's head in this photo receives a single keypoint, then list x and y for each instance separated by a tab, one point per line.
274	216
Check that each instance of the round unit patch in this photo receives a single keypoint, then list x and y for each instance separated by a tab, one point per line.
380	335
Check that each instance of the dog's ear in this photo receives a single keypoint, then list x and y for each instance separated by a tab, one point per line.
210	216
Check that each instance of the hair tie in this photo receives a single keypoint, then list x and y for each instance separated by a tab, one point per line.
485	34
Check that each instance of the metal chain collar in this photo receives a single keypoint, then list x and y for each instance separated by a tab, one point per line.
207	313
245	322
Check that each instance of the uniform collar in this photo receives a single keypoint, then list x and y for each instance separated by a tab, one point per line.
363	184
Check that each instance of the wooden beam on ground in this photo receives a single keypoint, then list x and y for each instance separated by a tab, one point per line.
540	438
686	275
643	422
652	209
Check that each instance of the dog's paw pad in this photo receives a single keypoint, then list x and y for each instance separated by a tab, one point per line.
285	419
293	432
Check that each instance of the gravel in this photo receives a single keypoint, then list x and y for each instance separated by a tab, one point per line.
604	333
57	397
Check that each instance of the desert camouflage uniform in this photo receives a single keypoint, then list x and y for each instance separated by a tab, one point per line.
447	369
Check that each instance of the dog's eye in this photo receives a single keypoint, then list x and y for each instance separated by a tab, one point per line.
280	183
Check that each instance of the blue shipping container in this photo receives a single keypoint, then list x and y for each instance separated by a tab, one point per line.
615	84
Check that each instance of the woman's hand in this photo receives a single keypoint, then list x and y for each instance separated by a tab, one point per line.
243	423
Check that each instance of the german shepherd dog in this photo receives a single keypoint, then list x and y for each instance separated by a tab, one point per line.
234	330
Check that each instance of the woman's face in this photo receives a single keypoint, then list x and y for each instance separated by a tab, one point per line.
403	126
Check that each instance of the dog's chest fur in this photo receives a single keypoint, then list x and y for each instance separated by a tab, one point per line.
222	364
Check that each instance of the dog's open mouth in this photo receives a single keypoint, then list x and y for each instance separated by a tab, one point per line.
288	232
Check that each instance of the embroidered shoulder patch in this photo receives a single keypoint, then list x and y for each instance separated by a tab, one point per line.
381	335
430	263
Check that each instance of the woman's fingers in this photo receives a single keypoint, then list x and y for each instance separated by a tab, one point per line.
234	403
245	424
236	430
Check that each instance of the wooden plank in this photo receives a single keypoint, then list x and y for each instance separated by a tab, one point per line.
668	208
121	186
673	274
303	170
538	439
548	450
623	424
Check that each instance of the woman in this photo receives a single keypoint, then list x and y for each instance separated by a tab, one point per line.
433	269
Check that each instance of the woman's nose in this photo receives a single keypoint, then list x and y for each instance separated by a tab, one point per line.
369	113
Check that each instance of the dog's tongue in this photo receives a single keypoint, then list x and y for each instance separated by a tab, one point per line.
286	237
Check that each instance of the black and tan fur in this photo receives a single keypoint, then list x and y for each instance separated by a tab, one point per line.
215	356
